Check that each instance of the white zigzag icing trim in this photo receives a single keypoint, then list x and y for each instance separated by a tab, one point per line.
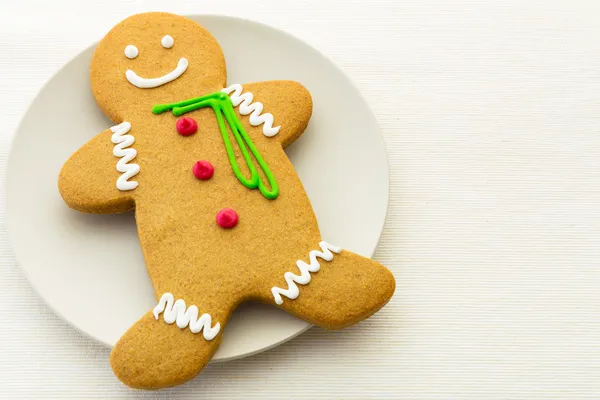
256	108
175	311
305	269
121	141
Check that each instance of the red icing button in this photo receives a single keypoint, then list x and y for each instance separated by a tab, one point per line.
186	126
227	218
203	170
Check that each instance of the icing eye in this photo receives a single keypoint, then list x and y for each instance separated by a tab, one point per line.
167	41
131	51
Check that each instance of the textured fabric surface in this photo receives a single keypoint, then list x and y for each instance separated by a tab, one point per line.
490	115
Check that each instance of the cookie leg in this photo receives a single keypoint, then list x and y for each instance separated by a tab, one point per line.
333	288
162	350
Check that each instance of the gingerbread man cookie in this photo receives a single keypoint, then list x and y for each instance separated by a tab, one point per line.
222	216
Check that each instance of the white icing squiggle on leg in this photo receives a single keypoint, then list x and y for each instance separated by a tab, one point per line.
256	108
175	311
292	292
121	140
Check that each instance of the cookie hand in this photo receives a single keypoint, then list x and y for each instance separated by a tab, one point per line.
287	101
100	177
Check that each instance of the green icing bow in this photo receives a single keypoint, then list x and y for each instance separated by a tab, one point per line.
222	106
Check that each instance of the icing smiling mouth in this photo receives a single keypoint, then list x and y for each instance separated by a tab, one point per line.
132	52
149	83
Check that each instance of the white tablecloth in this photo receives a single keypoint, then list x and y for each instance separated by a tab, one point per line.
491	115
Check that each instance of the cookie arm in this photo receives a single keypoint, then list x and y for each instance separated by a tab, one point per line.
88	180
288	102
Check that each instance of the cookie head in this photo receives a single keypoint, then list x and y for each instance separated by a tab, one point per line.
151	58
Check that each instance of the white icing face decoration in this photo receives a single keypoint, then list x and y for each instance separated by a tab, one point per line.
132	52
167	41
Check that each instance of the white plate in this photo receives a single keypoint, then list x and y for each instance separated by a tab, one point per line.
89	268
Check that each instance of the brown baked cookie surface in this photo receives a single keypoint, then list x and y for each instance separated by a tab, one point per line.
222	216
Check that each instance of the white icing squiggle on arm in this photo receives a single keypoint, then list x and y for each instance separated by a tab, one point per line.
175	311
256	108
292	292
121	140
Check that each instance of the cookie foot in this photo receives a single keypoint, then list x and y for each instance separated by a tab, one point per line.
154	355
346	289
